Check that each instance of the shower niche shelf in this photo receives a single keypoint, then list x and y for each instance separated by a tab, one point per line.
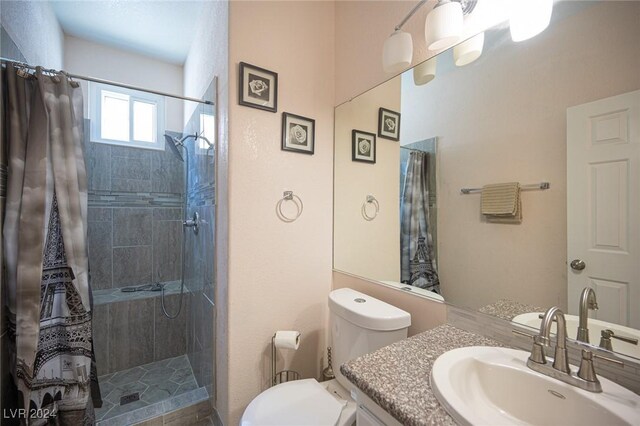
113	295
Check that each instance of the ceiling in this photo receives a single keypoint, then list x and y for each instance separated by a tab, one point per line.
160	29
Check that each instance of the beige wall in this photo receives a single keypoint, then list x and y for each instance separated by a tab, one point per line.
97	60
503	119
367	248
361	29
279	273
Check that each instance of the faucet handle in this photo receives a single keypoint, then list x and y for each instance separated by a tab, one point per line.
610	360
541	316
586	365
537	339
606	336
626	339
537	350
587	371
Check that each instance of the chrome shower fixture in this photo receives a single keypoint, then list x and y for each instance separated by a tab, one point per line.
175	143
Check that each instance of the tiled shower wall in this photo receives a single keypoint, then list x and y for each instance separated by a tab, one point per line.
135	238
135	200
200	274
130	333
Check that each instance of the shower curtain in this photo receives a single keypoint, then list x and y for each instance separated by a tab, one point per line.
45	247
418	266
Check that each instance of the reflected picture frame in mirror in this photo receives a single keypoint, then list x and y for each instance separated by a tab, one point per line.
363	146
389	124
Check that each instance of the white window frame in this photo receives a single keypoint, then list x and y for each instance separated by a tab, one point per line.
207	132
95	114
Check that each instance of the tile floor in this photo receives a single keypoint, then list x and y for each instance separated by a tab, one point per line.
154	382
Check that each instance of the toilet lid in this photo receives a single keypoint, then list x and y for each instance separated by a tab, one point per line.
296	403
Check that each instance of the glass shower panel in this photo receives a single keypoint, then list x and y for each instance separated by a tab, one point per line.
200	248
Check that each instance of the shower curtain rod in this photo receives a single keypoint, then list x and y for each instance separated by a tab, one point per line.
112	83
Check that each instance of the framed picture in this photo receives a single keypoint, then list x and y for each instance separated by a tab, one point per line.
363	146
298	133
258	88
389	124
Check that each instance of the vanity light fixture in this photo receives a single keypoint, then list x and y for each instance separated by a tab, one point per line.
445	25
528	18
469	50
443	28
397	52
425	72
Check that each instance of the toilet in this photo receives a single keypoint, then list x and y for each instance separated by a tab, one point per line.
359	324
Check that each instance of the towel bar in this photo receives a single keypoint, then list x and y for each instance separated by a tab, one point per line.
541	185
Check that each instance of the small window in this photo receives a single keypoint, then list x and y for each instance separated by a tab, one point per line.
207	129
126	117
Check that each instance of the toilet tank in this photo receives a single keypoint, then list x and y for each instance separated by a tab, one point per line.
361	324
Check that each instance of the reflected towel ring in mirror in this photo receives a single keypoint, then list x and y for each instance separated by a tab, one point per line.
289	196
370	200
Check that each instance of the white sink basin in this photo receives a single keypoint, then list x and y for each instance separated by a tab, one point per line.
493	386
595	326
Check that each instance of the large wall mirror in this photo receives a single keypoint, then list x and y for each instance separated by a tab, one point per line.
562	108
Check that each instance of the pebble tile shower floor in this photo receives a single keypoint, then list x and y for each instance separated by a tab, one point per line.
154	382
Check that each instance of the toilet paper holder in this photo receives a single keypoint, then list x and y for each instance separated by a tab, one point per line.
283	376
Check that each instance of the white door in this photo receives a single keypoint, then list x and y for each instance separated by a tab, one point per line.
603	206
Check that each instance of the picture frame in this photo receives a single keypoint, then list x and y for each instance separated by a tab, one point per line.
363	146
389	124
298	133
258	87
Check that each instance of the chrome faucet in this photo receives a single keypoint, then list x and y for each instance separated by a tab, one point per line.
587	301
585	378
542	340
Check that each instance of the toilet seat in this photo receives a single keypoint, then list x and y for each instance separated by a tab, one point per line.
297	403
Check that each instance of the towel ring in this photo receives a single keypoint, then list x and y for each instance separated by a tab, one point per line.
289	196
370	200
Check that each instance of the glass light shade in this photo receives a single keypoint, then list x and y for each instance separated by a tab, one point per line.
529	18
469	50
425	72
397	52
443	26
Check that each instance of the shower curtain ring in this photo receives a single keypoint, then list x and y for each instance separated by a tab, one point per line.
72	82
289	196
370	200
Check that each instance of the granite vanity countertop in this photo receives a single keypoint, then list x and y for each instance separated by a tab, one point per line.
396	377
508	309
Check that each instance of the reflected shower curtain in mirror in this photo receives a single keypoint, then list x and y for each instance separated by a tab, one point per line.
45	247
418	266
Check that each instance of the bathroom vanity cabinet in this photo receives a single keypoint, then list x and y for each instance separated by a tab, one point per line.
369	413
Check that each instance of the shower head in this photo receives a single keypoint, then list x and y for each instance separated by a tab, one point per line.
174	144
